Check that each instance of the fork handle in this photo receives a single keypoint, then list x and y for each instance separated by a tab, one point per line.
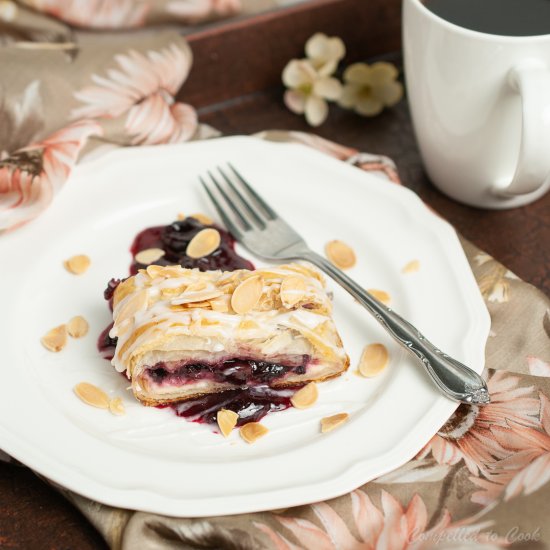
453	378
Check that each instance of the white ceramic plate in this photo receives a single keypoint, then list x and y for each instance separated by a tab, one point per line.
151	460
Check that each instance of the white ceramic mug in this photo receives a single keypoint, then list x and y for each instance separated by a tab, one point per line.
480	105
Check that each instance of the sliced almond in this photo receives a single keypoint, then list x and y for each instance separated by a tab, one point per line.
171	271
195	287
131	305
56	339
180	216
329	423
252	431
220	304
227	420
116	406
154	271
92	395
340	254
149	255
203	218
293	290
374	360
248	324
247	294
380	295
77	264
77	327
199	296
203	243
197	305
306	396
412	267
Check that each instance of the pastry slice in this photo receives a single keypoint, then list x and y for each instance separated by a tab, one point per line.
183	333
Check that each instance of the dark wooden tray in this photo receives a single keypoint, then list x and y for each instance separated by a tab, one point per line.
235	83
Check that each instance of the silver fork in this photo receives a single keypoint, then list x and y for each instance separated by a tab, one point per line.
264	233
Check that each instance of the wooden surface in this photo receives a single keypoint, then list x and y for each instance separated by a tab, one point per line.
237	88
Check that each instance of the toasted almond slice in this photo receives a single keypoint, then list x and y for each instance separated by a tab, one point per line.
149	255
247	294
374	360
56	339
248	324
199	296
171	271
116	406
197	305
340	254
306	396
293	290
77	327
131	305
203	218
380	295
195	287
92	395
203	243
180	216
77	264
220	304
411	267
329	423
227	420
154	271
252	431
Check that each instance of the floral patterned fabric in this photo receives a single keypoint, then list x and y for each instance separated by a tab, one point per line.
64	92
482	482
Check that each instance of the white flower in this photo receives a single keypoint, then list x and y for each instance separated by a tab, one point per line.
325	53
370	88
309	90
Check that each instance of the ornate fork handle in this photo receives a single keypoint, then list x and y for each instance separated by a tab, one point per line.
456	380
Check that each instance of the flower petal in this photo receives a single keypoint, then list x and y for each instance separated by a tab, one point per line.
538	367
317	46
185	122
349	96
329	88
295	100
368	519
368	106
382	71
298	72
358	73
325	68
337	48
321	47
316	110
335	526
389	93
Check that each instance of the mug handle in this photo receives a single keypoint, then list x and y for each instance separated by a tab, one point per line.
531	79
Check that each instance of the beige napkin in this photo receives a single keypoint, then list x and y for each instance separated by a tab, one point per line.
481	482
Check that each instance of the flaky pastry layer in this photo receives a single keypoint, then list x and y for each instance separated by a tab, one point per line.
171	315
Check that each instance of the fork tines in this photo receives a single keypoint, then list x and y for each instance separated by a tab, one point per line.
238	204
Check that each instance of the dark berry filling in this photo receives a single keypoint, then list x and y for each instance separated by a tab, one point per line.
251	404
106	345
240	372
174	238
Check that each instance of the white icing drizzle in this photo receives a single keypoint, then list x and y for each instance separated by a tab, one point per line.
159	320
